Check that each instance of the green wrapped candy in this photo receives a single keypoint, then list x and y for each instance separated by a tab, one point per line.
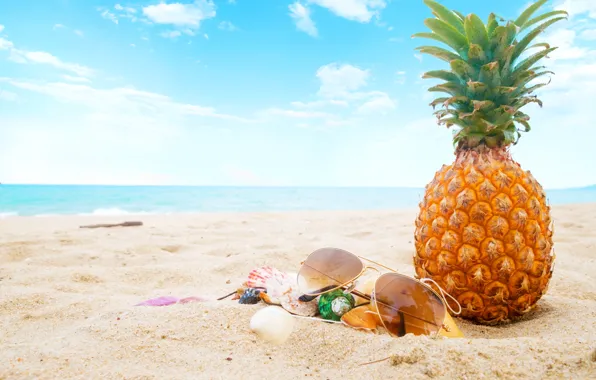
334	304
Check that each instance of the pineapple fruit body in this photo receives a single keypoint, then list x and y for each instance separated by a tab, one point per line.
484	230
484	234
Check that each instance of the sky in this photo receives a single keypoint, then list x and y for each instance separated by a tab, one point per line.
283	93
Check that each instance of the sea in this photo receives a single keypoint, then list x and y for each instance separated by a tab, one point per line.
48	200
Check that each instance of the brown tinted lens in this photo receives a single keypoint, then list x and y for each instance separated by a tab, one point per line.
407	306
328	268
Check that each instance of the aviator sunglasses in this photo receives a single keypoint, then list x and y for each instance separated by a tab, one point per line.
402	303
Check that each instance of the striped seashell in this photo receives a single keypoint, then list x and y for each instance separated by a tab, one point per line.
273	280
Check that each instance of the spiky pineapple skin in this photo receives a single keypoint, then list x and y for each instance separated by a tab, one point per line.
484	234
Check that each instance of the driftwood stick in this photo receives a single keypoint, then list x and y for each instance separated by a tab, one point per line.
124	224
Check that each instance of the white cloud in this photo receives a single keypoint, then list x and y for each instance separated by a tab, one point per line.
183	15
116	101
141	130
301	16
577	7
588	34
186	18
338	80
1	28
171	34
355	10
119	12
47	58
40	57
7	96
563	39
297	114
5	44
109	15
62	26
341	101
320	103
227	25
119	7
379	104
71	78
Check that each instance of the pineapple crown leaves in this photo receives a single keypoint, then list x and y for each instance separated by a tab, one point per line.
488	81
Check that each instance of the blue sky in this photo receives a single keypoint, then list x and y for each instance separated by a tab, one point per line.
291	93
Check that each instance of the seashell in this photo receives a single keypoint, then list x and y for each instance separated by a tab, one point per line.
250	296
281	289
291	303
334	304
273	280
361	317
272	324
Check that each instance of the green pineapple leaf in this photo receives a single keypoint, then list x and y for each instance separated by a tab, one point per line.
442	74
490	74
476	31
438	52
519	103
491	24
521	45
476	55
452	36
450	88
525	16
525	65
438	101
526	125
460	15
446	15
463	69
542	17
476	90
432	36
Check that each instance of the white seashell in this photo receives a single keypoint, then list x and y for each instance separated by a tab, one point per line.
272	324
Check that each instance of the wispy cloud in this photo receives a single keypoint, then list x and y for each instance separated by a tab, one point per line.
62	26
7	96
71	78
182	18
40	57
228	26
355	10
341	99
301	16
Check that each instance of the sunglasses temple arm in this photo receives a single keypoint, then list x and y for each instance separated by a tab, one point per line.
444	294
376	263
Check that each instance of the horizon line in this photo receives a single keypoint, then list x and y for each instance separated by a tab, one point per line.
260	186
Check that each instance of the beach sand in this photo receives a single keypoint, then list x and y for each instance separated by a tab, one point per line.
67	299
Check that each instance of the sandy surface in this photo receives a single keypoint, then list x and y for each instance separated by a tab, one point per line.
67	296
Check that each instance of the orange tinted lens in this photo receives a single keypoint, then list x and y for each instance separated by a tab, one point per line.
327	268
407	306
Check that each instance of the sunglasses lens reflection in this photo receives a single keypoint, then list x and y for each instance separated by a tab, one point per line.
407	306
328	268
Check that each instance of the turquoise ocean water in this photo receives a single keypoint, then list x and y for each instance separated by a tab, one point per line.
43	200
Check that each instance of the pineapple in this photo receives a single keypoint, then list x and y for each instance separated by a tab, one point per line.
484	229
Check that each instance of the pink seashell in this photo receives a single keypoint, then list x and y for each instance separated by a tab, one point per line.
160	301
169	300
273	280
